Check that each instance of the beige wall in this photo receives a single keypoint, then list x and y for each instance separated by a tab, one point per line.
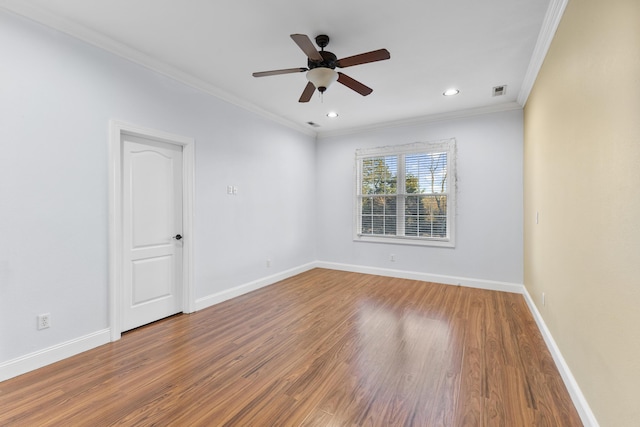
582	174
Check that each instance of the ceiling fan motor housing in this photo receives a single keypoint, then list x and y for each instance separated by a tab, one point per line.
328	61
328	58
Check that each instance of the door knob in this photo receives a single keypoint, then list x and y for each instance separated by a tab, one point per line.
177	237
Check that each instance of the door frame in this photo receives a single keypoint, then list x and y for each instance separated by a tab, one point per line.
117	129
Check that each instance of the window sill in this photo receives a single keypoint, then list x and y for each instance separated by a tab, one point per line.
411	241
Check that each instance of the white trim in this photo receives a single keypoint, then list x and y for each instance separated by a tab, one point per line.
100	41
41	358
492	285
579	401
116	130
228	294
410	148
38	359
37	14
103	42
545	37
404	240
427	118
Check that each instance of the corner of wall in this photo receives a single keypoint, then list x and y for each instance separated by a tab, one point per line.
580	402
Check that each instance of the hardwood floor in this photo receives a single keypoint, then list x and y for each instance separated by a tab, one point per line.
325	348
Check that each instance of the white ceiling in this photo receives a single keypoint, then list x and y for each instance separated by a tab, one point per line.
215	45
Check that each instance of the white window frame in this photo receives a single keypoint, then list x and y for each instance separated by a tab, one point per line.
448	145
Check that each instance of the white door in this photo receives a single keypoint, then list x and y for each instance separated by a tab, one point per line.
152	229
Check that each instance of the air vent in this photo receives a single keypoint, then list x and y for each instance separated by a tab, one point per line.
499	90
312	124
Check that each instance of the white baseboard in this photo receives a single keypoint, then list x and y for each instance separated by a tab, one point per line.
426	277
586	415
47	356
227	294
32	361
579	401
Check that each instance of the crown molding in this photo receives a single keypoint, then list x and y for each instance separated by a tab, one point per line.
103	42
545	37
550	24
451	115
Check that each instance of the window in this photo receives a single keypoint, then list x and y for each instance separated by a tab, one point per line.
406	194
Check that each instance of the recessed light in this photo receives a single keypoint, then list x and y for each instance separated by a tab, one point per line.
332	114
451	92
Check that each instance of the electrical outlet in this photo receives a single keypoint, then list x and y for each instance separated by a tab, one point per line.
268	263
44	321
392	257
544	299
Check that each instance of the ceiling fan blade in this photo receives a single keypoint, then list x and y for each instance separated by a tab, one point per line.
276	72
354	84
364	58
307	46
307	93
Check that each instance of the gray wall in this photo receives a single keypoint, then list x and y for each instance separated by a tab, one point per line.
295	200
57	95
489	200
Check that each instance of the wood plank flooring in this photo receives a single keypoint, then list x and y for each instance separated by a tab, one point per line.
325	348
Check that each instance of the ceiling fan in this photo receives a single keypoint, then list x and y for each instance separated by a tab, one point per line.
321	66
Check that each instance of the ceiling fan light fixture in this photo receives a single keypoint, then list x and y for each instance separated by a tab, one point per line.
322	77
